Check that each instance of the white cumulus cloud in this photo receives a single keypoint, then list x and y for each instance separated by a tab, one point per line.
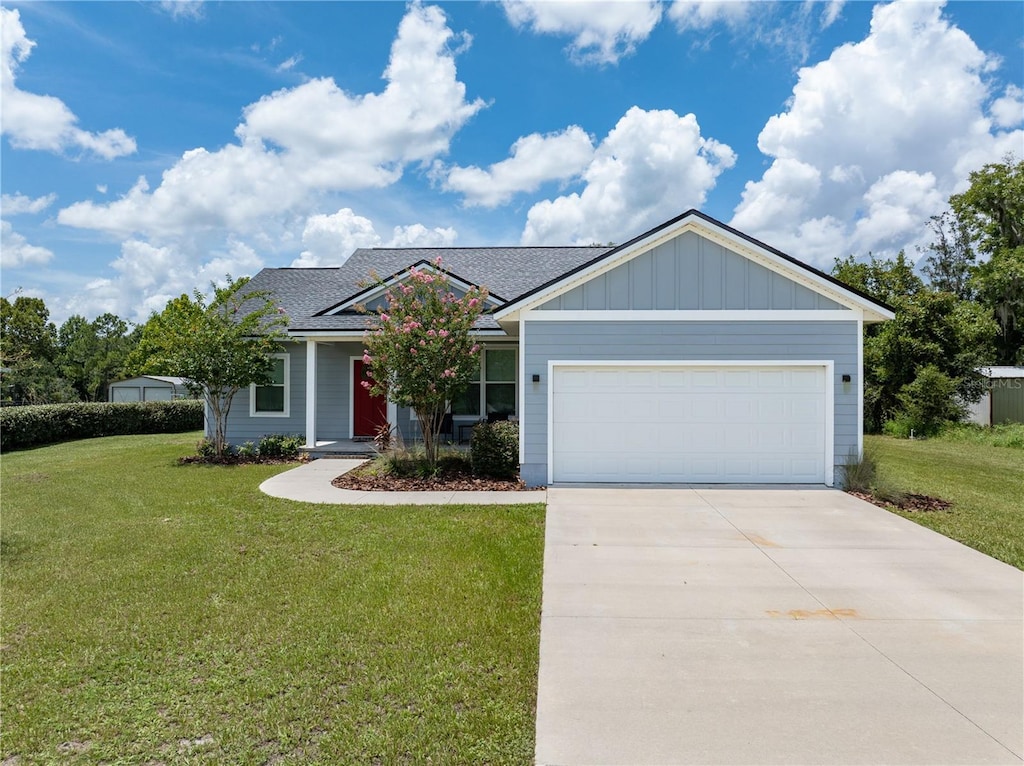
602	32
533	160
702	14
651	166
224	210
1008	110
18	204
877	137
182	9
303	140
33	121
418	235
15	250
328	240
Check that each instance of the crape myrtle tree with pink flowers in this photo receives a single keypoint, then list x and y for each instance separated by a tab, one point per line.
419	352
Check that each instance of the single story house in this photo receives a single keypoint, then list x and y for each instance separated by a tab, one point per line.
691	353
148	388
1003	400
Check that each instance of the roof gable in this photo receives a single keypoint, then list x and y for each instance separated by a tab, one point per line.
788	280
373	296
690	272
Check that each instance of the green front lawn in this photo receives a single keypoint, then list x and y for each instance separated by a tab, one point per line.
162	613
984	482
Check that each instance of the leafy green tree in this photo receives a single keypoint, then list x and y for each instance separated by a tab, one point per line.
992	212
25	330
27	353
929	401
218	346
891	281
950	263
90	355
419	351
931	328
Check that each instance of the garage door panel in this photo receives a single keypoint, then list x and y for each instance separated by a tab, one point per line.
688	424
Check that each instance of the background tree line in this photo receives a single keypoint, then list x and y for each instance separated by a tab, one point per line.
46	364
964	310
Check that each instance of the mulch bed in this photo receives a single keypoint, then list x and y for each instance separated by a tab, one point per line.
364	479
909	502
236	460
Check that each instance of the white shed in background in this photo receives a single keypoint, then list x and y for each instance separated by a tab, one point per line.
148	388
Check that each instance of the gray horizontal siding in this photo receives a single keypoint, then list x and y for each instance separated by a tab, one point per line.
684	341
242	428
689	273
333	383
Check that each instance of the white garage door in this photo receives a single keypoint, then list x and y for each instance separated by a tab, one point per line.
688	424
126	394
157	394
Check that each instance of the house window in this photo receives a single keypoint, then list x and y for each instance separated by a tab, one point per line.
271	400
493	389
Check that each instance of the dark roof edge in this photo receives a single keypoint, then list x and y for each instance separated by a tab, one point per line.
482	247
705	217
397	274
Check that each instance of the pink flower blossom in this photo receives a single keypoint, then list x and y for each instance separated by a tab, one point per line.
365	384
442	333
473	303
476	347
367	359
423	343
431	334
384	317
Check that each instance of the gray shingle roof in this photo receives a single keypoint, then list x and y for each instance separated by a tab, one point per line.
507	272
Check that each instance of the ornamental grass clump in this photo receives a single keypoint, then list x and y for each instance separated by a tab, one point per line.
418	348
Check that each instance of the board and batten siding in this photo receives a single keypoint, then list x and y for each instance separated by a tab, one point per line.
690	272
666	341
332	382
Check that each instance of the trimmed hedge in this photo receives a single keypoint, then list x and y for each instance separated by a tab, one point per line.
494	450
33	425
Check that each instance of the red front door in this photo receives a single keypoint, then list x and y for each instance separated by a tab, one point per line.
369	412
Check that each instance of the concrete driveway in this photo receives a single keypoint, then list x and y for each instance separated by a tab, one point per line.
757	626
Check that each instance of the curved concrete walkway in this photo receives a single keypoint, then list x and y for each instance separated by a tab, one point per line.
311	483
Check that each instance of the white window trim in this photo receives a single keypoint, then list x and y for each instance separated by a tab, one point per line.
287	392
482	382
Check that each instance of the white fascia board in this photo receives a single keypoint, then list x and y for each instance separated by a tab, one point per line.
378	289
761	256
348	336
691	363
697	315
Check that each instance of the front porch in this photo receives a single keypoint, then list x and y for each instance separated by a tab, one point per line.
362	448
340	448
339	414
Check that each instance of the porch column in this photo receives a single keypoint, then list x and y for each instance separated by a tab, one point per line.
311	393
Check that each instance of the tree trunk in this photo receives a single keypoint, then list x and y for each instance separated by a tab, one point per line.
430	424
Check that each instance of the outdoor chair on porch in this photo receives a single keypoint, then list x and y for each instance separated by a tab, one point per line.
447	427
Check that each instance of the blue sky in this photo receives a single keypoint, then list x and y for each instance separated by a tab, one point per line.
149	148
